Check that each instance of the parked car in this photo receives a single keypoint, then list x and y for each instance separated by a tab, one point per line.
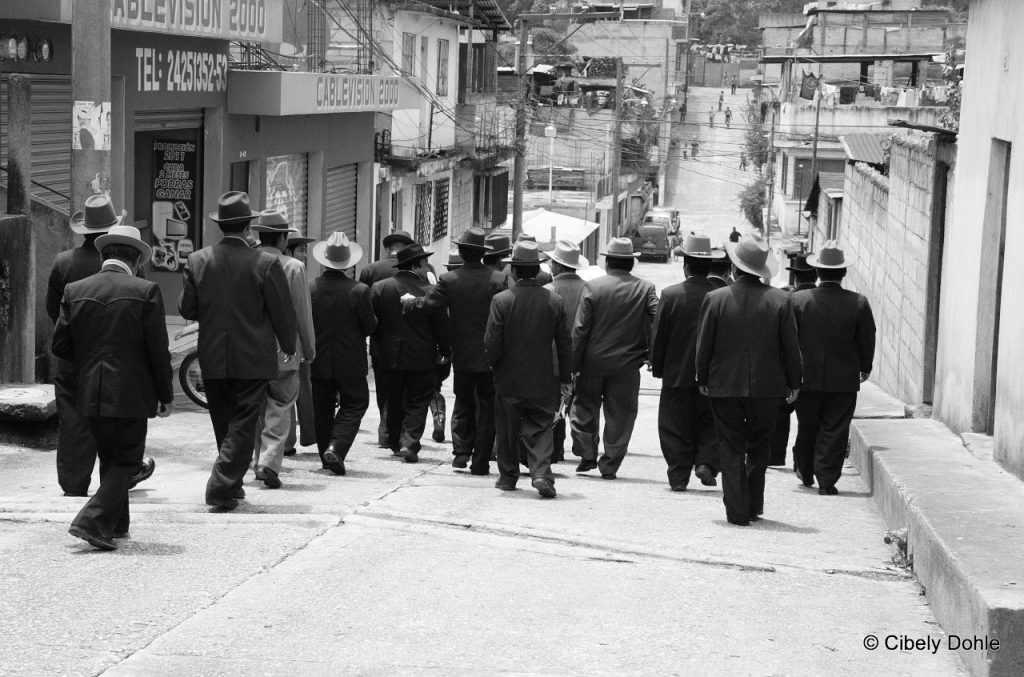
651	240
663	214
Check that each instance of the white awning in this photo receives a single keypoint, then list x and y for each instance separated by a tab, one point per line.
549	226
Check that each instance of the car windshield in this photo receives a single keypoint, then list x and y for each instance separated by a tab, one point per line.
652	231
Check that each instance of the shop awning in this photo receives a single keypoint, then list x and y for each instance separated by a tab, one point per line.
548	226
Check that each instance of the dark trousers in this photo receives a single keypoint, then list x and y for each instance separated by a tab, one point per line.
686	430
76	448
409	394
744	427
558	437
380	384
302	414
473	417
616	395
524	423
120	445
780	436
234	410
338	426
823	434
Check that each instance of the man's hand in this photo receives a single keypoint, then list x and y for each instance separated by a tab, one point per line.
703	390
566	390
864	376
287	358
164	409
793	394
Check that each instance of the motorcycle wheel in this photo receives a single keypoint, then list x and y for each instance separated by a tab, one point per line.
191	379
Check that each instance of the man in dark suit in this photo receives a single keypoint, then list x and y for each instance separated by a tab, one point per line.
241	298
719	275
113	330
466	293
686	426
748	358
837	338
500	247
610	342
342	318
802	276
565	261
543	276
76	448
524	322
410	346
383	269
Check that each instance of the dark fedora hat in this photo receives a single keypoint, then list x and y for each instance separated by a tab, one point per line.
412	253
526	252
501	244
233	207
475	238
397	236
800	264
97	216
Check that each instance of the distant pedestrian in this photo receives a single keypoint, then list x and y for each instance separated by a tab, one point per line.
728	117
686	426
711	116
524	323
682	112
112	328
721	99
837	339
748	358
240	297
610	342
733	86
734	236
743	161
695	146
342	318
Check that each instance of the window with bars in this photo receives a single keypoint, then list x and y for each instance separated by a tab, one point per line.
409	53
441	189
422	225
442	68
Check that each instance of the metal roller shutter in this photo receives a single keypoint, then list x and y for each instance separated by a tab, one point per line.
51	137
342	200
155	120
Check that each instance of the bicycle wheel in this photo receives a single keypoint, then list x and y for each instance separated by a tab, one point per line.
191	379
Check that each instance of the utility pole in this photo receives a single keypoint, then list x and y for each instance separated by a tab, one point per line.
766	231
613	223
817	128
90	78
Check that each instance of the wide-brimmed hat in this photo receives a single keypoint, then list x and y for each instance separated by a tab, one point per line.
97	216
752	255
233	207
526	253
295	238
526	237
270	221
475	238
397	236
412	253
830	256
500	244
568	254
454	260
128	235
337	252
800	265
698	246
620	248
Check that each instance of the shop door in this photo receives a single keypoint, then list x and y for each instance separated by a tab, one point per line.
342	200
168	193
286	188
51	138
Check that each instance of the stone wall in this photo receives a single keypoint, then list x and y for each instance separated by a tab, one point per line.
887	225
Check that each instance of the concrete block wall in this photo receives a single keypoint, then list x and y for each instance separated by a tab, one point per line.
887	225
460	204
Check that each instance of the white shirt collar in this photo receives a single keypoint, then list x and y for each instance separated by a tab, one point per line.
115	263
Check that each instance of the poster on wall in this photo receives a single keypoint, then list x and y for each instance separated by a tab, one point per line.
90	125
174	202
286	188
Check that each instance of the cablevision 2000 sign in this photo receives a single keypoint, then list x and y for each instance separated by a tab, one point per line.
228	19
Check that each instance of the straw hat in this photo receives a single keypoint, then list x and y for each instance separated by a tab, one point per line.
620	248
128	235
829	256
568	254
337	252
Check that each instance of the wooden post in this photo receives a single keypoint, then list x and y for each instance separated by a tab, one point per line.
90	78
19	162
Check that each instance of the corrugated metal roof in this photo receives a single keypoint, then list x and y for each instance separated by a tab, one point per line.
831	183
486	12
864	147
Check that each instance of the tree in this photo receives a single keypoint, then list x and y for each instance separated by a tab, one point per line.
755	143
752	201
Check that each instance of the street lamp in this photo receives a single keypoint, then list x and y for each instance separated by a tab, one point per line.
550	132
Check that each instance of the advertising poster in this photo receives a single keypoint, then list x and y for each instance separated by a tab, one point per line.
174	202
286	188
90	125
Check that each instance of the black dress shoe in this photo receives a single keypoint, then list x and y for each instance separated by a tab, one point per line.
145	472
225	504
333	463
238	493
739	523
505	485
480	471
585	466
828	491
92	538
290	452
608	476
677	487
409	455
77	494
438	434
121	534
544	487
268	477
806	481
706	475
460	460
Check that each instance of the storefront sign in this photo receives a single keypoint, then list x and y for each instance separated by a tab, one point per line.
175	202
287	93
180	70
254	20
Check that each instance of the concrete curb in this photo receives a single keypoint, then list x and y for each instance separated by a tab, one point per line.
964	518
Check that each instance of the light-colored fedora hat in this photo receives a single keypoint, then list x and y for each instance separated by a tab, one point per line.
568	254
128	235
752	255
698	246
830	256
620	248
525	253
337	251
97	216
270	221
